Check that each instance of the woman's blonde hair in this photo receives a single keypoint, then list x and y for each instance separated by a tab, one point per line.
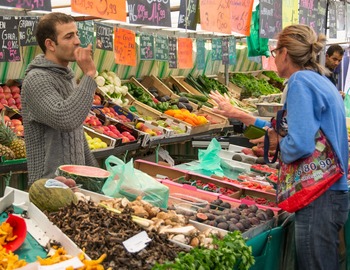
303	46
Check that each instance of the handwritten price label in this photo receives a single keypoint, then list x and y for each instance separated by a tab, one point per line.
162	48
172	41
146	47
104	37
241	14
26	27
200	57
185	53
86	32
188	14
107	9
270	18
150	12
124	47
27	4
215	16
9	51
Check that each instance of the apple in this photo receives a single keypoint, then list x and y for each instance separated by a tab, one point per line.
18	100
13	106
125	139
1	89
3	101
2	95
139	125
15	89
11	101
16	122
8	95
16	95
6	89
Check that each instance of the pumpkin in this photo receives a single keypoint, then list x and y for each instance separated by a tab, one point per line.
50	199
90	178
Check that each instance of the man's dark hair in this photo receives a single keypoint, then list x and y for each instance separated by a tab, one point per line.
46	27
334	48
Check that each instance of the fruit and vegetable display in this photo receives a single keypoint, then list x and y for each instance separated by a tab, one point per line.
222	215
95	142
112	114
110	85
10	96
188	117
252	86
149	129
11	145
109	130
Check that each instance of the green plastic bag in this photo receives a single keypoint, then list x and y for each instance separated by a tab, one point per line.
209	159
256	45
126	181
347	104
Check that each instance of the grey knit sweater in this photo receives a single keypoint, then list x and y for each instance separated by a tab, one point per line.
53	110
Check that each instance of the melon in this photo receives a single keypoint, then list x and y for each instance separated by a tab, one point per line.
50	199
91	178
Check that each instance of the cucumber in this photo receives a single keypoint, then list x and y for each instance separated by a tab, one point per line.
200	98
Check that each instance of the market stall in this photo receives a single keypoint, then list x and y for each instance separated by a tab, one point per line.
178	186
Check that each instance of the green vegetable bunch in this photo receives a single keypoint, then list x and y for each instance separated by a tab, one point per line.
231	253
251	86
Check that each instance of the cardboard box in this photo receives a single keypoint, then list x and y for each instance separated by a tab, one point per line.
38	225
143	111
190	190
153	81
190	177
111	142
159	171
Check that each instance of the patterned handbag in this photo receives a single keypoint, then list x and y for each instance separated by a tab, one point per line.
304	180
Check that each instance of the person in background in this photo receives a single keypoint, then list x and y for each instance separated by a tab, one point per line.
54	107
334	55
312	103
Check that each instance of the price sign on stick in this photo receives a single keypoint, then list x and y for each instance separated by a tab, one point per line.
124	47
104	37
107	9
172	41
26	30
86	33
216	49
146	47
9	50
162	48
225	54
200	57
185	53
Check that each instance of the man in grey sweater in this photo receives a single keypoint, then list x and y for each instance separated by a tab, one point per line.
53	106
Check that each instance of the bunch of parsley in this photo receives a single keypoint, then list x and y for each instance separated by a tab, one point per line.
231	252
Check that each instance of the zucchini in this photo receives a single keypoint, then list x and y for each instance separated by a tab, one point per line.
200	98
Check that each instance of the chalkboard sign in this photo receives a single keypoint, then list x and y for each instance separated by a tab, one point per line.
332	11
340	6
172	52
104	37
200	57
270	18
146	47
162	48
321	16
232	51
188	14
308	11
27	4
150	12
86	33
9	50
225	53
26	29
216	49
